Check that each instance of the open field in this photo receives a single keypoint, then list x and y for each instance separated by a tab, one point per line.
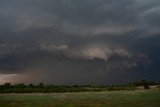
140	98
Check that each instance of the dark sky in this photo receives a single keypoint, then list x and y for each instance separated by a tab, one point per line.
79	41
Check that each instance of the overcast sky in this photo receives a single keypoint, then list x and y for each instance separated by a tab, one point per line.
79	41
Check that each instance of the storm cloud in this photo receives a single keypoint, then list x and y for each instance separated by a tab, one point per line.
79	41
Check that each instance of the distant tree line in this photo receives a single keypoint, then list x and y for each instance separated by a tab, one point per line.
50	88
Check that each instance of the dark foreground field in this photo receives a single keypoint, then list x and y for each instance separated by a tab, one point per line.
84	99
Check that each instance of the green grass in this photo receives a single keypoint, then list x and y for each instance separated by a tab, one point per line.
84	99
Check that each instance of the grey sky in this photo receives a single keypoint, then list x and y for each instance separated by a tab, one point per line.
79	41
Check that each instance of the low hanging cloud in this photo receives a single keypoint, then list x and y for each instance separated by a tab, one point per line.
100	53
6	49
89	53
46	47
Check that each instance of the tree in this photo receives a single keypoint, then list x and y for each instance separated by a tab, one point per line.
30	85
41	85
7	85
145	84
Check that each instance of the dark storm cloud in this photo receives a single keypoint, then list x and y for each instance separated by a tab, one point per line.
58	40
86	18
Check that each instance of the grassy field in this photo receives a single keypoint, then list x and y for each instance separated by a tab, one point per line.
84	99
